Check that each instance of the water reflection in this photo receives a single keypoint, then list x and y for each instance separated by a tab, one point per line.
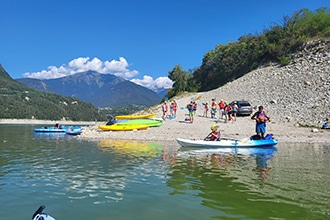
52	136
79	179
130	148
236	181
230	158
220	177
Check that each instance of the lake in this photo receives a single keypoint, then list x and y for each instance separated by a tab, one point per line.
113	179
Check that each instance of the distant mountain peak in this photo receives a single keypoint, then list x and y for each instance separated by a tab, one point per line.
102	90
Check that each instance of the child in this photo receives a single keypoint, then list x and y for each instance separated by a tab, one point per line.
214	135
206	109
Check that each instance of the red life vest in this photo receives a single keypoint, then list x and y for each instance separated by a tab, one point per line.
261	116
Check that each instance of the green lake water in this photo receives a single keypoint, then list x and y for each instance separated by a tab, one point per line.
112	179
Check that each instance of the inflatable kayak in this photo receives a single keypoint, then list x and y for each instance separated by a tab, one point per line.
123	127
130	117
227	143
51	129
73	130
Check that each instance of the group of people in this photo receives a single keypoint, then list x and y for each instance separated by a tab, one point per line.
169	110
261	117
227	112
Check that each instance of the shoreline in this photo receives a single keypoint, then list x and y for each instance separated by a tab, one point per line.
242	128
44	122
284	132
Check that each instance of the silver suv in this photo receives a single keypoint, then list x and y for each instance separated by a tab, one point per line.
244	107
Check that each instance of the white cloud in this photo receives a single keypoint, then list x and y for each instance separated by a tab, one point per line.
116	67
149	82
81	64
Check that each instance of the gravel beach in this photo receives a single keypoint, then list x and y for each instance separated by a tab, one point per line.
177	128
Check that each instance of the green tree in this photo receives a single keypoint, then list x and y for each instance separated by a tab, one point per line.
180	80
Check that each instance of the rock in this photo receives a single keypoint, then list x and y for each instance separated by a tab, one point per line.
315	130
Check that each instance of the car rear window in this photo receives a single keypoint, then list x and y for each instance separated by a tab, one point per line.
244	104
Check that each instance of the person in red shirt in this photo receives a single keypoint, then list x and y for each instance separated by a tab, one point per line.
221	108
227	112
174	107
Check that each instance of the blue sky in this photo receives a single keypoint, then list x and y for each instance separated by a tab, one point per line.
138	40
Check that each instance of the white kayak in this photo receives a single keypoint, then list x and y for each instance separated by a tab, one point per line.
227	143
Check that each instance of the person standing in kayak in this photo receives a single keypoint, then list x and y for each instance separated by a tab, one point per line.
260	117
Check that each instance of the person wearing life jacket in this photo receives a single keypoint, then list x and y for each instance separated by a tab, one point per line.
174	107
165	110
227	112
214	135
191	111
260	117
221	108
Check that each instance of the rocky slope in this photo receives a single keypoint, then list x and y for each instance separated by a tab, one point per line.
299	92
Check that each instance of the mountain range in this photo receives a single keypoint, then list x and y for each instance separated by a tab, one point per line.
102	90
23	102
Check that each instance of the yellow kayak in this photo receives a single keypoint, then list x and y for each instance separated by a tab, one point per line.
129	117
118	127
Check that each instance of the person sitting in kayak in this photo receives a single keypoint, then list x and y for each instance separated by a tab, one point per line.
214	135
57	126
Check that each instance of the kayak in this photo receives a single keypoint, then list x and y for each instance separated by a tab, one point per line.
51	129
247	151
38	215
227	143
130	117
149	122
73	131
123	127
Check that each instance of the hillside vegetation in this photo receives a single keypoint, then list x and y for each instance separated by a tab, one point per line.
231	61
21	102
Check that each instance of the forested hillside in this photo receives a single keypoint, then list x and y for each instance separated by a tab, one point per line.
276	44
22	102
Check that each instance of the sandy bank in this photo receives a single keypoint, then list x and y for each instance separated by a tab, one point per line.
241	128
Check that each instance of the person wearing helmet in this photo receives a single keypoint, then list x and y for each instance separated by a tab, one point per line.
214	135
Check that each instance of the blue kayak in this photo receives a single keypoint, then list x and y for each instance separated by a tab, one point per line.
51	129
73	130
